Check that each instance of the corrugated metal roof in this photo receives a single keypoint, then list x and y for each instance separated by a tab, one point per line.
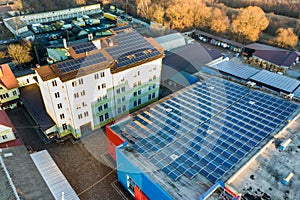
236	69
53	177
297	93
277	81
281	58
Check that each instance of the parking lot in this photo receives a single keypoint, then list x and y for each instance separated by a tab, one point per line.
85	164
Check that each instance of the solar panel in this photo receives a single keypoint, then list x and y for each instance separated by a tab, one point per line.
236	69
277	81
195	133
79	63
84	47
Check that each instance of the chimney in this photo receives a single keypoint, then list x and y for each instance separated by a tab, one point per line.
110	42
90	36
65	43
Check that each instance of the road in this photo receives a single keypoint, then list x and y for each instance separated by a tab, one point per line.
85	164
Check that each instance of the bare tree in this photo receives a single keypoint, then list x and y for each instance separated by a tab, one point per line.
20	54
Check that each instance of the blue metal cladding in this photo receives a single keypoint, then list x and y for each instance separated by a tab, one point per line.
125	168
207	128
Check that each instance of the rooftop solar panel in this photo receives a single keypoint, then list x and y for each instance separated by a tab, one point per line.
79	63
236	69
277	81
297	93
84	47
190	135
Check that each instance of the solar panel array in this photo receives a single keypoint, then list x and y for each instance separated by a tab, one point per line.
278	81
84	47
235	69
297	93
131	43
206	129
79	63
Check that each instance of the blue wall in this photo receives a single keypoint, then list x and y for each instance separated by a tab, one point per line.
125	167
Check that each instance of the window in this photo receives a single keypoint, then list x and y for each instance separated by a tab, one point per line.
123	99
80	116
74	83
100	108
62	116
149	96
154	77
139	92
14	93
134	93
96	76
59	106
150	79
4	137
102	74
82	93
150	87
139	82
56	94
99	87
99	99
130	185
139	101
54	83
78	106
153	95
154	86
123	89
80	81
101	118
124	108
154	68
106	116
118	100
64	126
138	73
105	96
86	114
134	103
118	90
76	95
84	104
105	106
134	84
103	85
3	96
119	110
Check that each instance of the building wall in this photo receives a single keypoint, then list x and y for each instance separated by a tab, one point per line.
8	95
127	170
98	98
26	80
7	135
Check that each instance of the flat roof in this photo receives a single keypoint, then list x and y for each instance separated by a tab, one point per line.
53	177
171	41
32	99
123	50
202	134
25	175
236	69
277	81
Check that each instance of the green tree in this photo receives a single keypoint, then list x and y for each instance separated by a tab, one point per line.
20	54
249	23
285	37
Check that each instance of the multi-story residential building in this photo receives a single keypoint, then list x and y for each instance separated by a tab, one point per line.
106	78
9	92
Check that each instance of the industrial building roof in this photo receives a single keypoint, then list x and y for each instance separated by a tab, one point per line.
7	78
189	58
236	69
32	99
53	177
277	81
264	47
202	134
281	58
297	93
171	41
24	174
125	49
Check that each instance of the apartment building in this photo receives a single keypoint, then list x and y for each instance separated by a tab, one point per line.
9	92
106	79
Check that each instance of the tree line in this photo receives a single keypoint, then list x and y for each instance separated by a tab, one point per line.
243	25
290	8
